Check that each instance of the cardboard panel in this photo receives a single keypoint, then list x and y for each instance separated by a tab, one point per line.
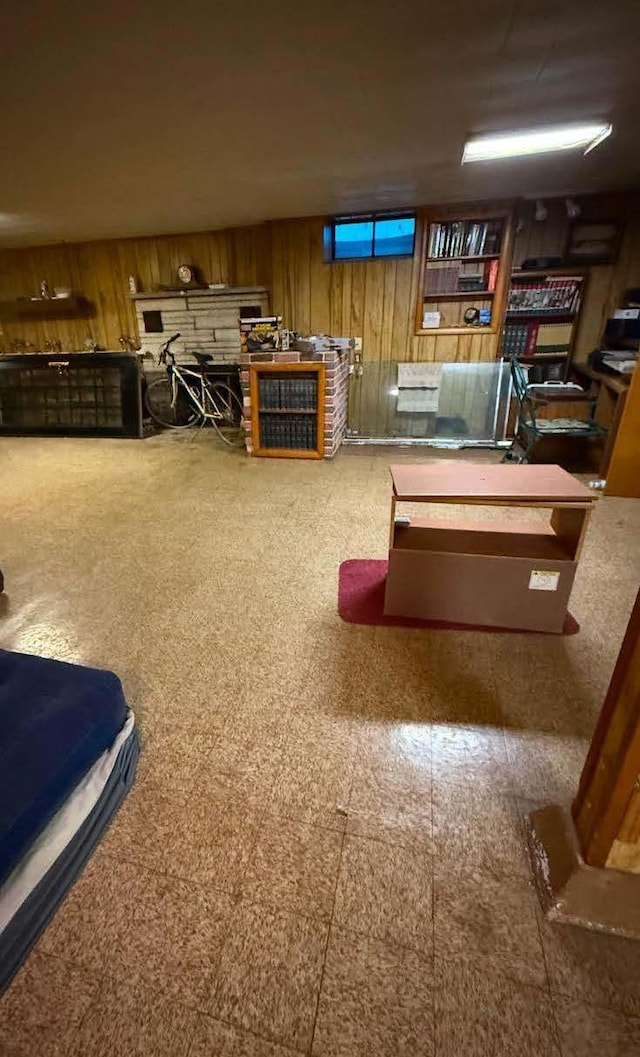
509	592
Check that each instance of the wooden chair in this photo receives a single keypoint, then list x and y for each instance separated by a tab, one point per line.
533	427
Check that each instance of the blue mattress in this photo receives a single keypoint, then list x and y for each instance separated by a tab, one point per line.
56	719
21	934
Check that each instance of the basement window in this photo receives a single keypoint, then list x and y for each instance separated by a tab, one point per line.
368	236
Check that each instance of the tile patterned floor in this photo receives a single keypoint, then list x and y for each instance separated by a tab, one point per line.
323	852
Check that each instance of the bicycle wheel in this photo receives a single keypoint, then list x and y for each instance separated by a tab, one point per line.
158	403
227	415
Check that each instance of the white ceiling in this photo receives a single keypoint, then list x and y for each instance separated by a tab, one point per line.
123	119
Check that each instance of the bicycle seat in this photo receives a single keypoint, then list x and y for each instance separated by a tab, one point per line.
203	357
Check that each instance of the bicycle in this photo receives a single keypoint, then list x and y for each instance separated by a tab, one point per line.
187	398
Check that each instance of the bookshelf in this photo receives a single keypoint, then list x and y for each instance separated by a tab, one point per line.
288	420
464	261
541	320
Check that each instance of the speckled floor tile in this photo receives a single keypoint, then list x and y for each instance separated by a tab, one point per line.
388	804
314	785
215	1039
478	1014
173	941
590	966
200	828
546	766
489	923
293	867
252	757
269	974
159	930
590	1030
43	1007
376	1000
87	925
471	755
126	1021
478	830
385	891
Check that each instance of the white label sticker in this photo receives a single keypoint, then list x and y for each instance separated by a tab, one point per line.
541	580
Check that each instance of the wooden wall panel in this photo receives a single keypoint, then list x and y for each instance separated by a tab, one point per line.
375	300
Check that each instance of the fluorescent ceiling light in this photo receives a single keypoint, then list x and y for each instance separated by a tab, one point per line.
540	141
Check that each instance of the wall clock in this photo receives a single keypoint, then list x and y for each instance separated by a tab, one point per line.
186	275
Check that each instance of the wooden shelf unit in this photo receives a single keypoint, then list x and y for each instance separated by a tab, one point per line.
553	362
494	573
494	300
264	444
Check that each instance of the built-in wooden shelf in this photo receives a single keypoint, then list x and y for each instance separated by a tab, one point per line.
559	317
470	328
44	308
460	295
501	224
482	257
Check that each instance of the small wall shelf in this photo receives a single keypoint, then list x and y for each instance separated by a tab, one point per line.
44	308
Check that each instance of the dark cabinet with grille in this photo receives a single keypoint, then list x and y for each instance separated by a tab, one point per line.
71	394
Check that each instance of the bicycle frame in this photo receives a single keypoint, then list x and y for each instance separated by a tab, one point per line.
199	391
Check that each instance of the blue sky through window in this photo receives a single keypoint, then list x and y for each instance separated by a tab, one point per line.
394	236
380	236
353	240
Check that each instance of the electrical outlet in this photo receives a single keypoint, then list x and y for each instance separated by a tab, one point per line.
357	344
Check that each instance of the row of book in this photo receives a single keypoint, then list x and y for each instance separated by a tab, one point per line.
465	238
449	277
289	393
546	295
299	432
529	339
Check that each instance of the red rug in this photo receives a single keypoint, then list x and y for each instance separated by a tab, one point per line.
361	585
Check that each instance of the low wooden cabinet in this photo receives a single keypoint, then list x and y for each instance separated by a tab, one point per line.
493	572
287	410
71	394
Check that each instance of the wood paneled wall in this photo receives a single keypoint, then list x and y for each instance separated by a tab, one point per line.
375	299
100	270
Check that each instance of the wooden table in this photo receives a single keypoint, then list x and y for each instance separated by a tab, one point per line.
493	572
611	393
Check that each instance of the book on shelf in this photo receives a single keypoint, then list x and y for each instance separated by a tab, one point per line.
559	294
532	337
460	277
289	432
465	238
288	394
491	275
536	338
554	337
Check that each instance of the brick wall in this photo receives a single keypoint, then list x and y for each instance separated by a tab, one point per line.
335	393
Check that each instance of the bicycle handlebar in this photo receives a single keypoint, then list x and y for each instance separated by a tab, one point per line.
166	351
